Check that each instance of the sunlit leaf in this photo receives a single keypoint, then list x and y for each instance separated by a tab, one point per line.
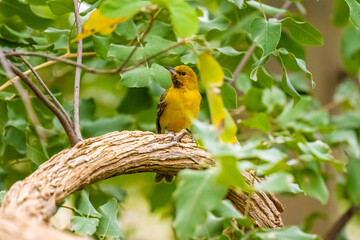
354	12
196	194
259	121
279	182
86	207
122	8
83	225
266	34
108	225
313	184
303	32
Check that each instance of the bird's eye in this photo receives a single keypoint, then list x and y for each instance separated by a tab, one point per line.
183	73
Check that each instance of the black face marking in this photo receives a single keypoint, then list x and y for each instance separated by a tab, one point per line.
177	83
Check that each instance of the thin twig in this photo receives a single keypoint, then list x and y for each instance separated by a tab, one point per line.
67	127
251	49
37	76
93	70
139	42
25	97
77	73
43	65
341	223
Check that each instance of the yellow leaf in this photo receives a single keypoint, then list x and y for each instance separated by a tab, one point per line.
99	23
211	72
216	105
228	134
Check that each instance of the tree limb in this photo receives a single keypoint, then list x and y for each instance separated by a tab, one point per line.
77	73
117	153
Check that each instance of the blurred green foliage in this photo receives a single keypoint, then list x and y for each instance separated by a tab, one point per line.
283	132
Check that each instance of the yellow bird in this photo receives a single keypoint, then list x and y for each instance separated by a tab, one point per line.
178	105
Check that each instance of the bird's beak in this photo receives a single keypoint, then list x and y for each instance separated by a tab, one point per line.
172	70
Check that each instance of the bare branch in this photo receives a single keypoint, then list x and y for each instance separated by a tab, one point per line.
93	70
25	97
341	223
43	65
67	127
77	73
251	49
46	89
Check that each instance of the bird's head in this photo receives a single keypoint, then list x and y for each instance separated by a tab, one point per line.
183	76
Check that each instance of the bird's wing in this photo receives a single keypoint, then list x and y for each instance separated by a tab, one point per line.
160	109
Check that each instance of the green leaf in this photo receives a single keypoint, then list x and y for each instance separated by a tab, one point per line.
266	34
219	23
288	87
121	52
127	29
10	8
313	184
86	207
139	77
354	12
303	32
121	8
259	121
257	66
106	125
2	195
91	8
341	13
4	115
353	180
229	96
84	226
350	49
253	100
239	3
101	46
228	51
230	174
267	8
35	150
108	225
279	182
285	234
196	194
300	63
135	100
161	75
61	7
318	149
183	18
156	44
16	138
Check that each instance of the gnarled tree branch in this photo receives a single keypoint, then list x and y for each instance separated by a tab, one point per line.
117	153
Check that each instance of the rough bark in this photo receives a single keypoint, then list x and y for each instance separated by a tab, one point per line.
34	199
